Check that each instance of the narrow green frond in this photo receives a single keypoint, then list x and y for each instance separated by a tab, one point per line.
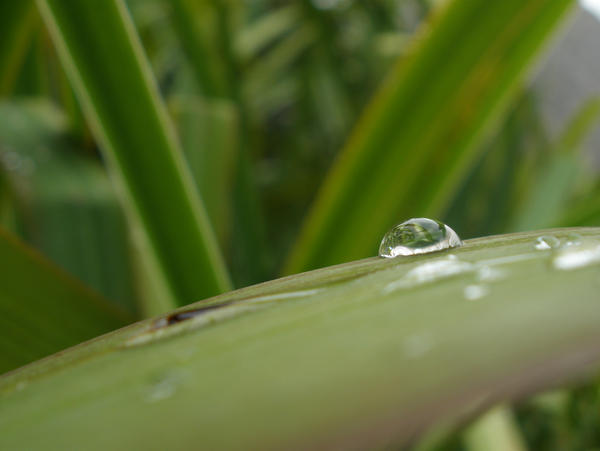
104	59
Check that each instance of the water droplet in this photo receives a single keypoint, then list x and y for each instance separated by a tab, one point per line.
440	268
490	274
418	236
163	386
574	257
474	292
417	345
573	239
546	242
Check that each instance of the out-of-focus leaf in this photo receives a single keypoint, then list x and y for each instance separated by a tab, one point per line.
205	32
17	20
265	30
368	354
67	208
419	136
486	201
263	73
104	60
495	431
42	309
209	134
554	184
196	24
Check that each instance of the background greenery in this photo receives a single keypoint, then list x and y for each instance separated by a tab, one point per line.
218	144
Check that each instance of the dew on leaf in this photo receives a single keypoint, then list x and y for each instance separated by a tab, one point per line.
474	292
418	236
162	386
573	257
546	242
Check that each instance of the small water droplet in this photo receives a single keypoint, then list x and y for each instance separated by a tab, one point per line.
163	386
573	257
546	242
474	292
490	274
418	236
417	345
573	239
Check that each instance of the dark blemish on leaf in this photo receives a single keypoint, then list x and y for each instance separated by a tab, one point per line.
178	317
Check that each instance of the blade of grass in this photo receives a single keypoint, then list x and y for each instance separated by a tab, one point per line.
42	309
205	34
325	359
103	57
412	146
556	179
17	21
210	136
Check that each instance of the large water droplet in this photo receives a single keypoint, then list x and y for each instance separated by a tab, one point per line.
418	236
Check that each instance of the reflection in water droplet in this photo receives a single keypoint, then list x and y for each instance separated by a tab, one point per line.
430	271
577	256
418	236
546	242
417	345
474	292
163	387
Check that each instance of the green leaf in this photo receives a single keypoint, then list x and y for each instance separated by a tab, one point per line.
362	355
554	183
419	136
66	206
42	309
196	24
17	20
104	59
209	133
205	32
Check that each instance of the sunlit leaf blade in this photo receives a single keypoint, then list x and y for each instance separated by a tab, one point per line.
16	22
103	57
362	355
42	309
418	137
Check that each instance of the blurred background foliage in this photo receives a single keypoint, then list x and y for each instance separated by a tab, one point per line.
263	95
